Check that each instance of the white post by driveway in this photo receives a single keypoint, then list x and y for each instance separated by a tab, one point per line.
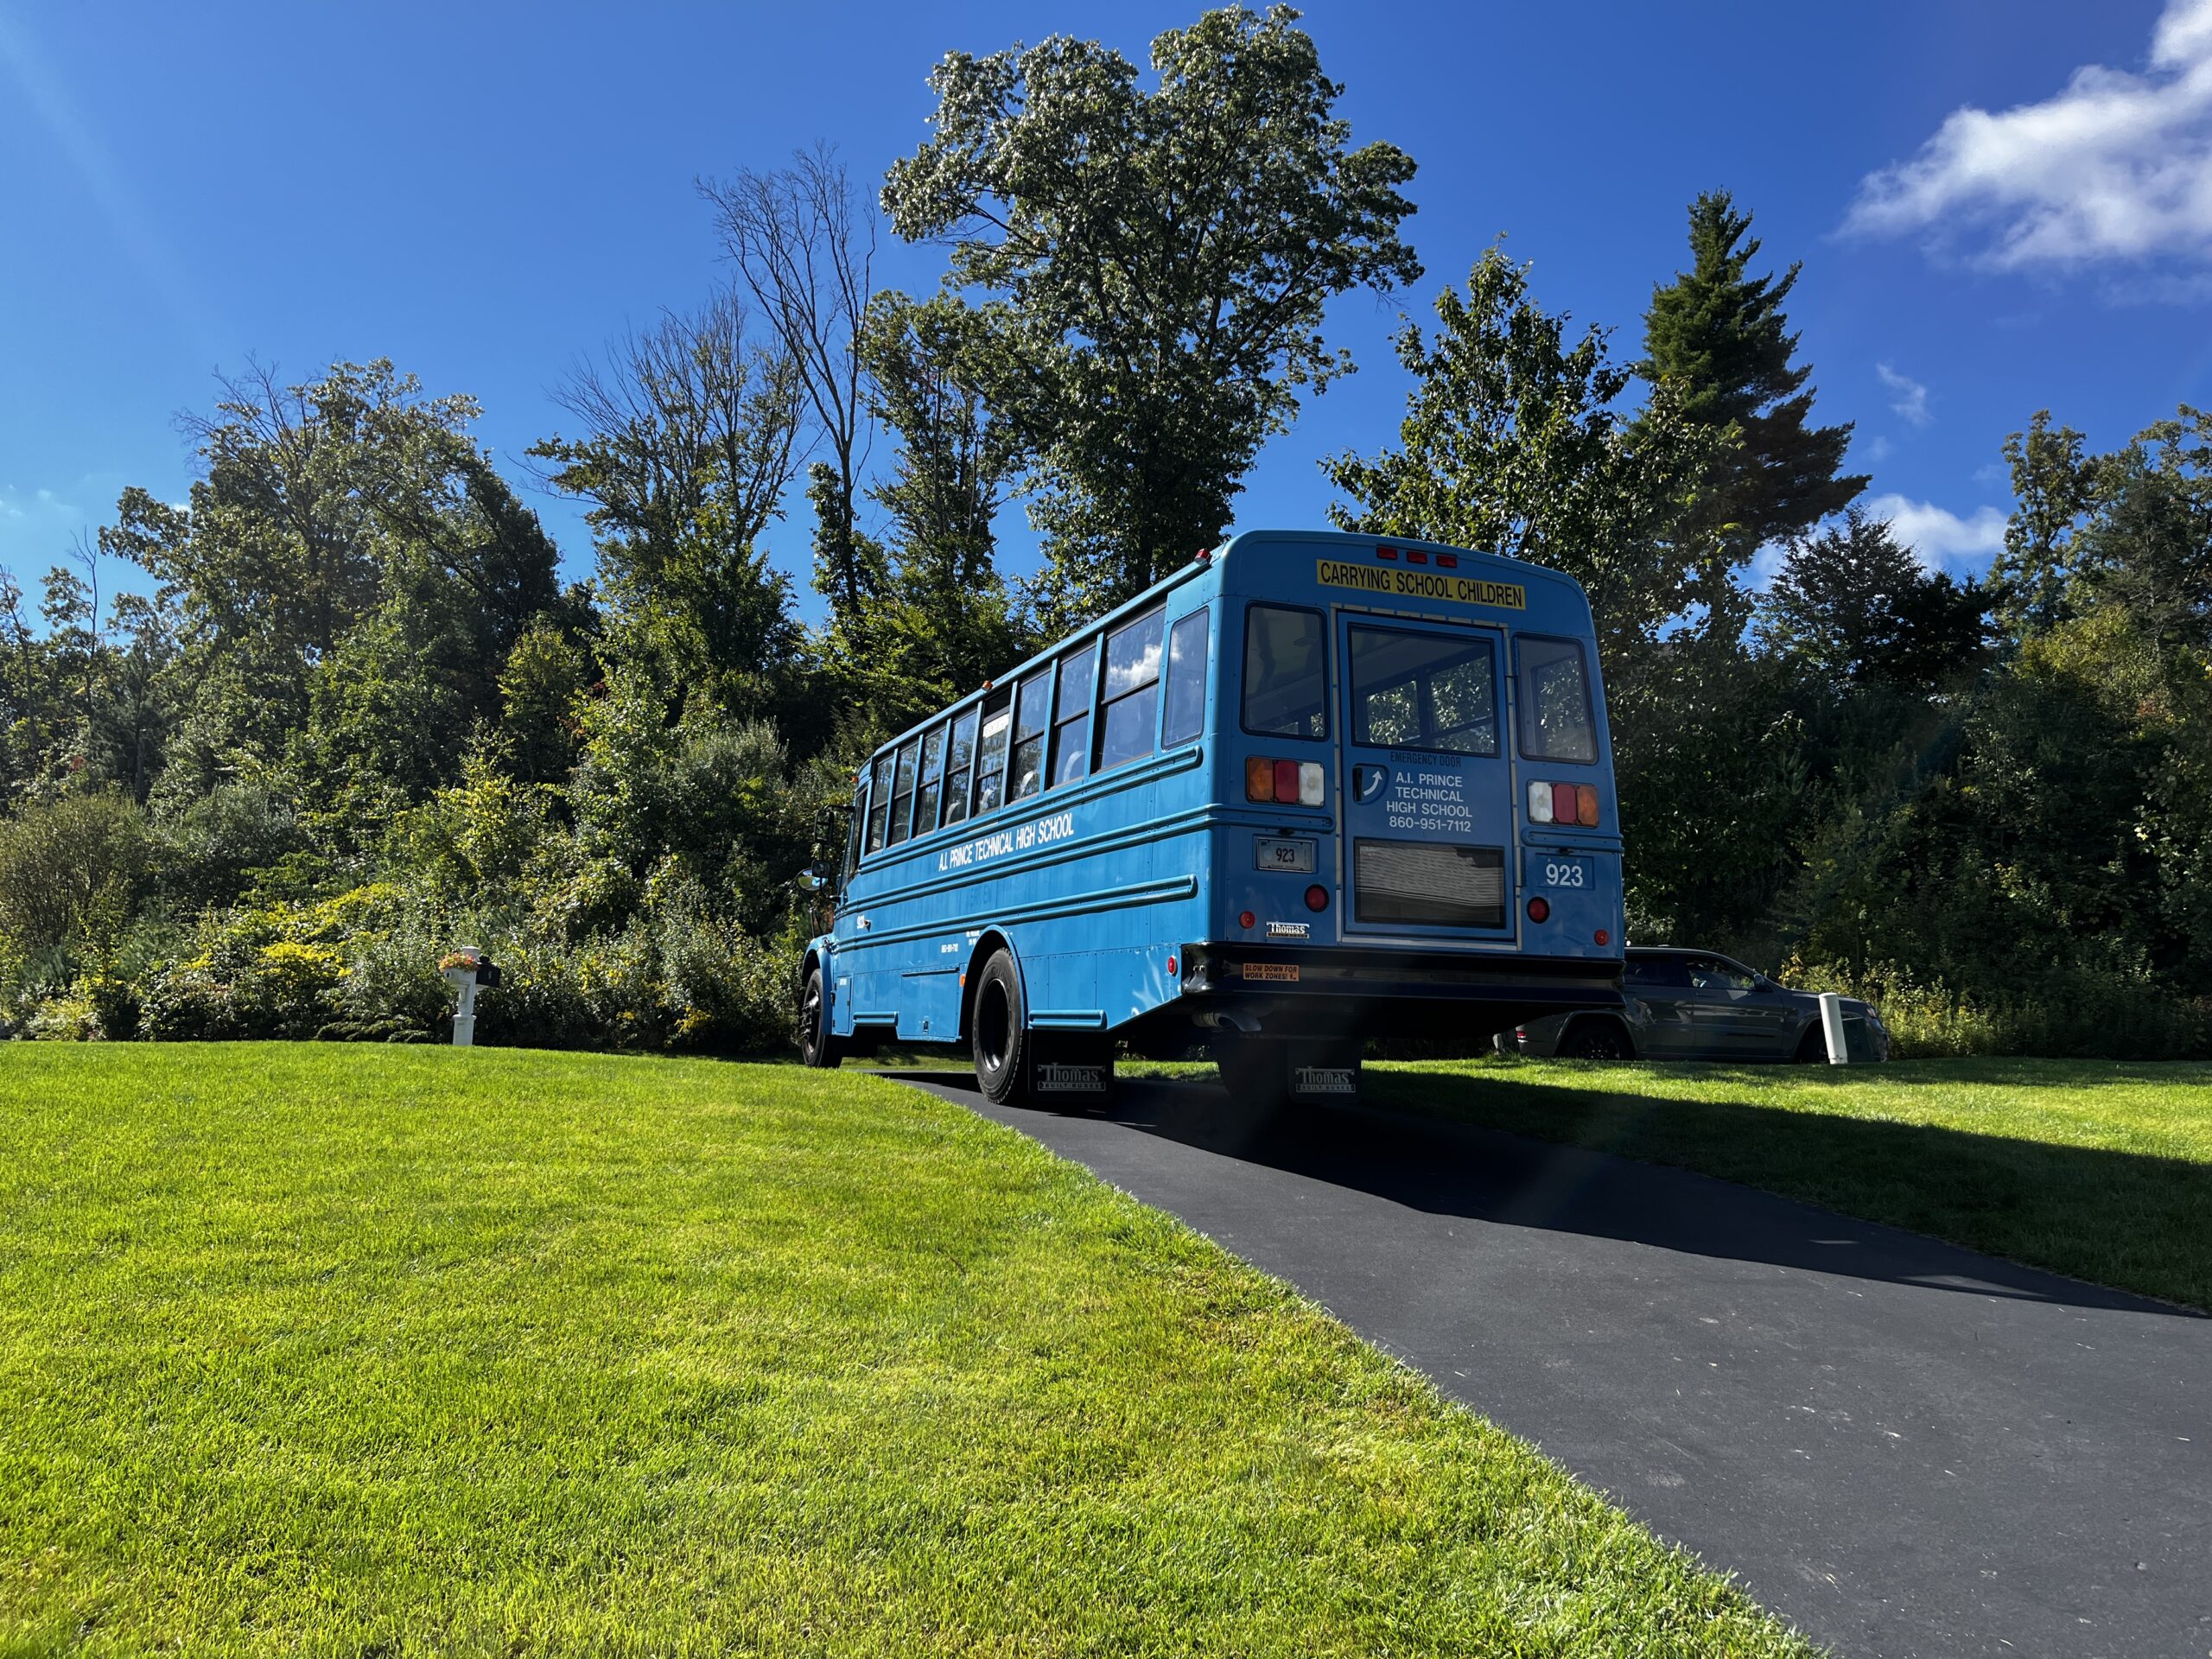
1831	1026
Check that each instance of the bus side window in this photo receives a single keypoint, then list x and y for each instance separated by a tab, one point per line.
959	764
881	797
1071	728
902	792
932	762
1285	672
1554	697
1187	681
1131	715
852	837
990	759
1027	772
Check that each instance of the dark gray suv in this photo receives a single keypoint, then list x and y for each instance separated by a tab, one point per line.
1699	1005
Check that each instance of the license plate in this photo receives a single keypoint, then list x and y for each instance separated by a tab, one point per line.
1283	970
1569	873
1284	853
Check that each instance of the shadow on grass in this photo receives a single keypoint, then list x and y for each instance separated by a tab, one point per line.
1556	1160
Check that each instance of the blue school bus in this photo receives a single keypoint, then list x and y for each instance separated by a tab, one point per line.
1309	789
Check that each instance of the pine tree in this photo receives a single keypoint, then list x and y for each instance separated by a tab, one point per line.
1718	335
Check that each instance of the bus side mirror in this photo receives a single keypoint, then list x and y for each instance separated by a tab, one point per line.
810	881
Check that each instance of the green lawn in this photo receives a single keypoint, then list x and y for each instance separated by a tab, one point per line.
2099	1169
383	1351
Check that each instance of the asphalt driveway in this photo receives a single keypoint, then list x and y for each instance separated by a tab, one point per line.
1904	1447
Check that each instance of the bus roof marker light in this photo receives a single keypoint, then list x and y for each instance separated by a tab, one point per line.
1540	802
1447	561
1415	555
1386	552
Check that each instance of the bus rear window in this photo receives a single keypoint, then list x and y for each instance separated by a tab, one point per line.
1286	673
1424	691
1554	697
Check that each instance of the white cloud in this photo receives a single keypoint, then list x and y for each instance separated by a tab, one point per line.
1937	534
2116	167
1911	397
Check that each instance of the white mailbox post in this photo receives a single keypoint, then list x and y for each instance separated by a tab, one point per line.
466	969
1831	1027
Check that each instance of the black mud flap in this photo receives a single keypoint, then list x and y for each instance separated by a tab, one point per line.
1322	1073
1069	1075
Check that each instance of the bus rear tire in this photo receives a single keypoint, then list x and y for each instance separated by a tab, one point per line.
998	1034
817	1044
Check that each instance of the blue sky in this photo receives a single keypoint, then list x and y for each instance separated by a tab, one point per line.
2001	205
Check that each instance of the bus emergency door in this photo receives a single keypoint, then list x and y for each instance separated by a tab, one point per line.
1428	786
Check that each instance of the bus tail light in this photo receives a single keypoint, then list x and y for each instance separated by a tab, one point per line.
1317	897
1575	804
1540	909
1286	783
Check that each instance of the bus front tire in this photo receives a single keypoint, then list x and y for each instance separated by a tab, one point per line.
998	1032
817	1044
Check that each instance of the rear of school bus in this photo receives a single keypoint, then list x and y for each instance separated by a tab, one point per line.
1417	835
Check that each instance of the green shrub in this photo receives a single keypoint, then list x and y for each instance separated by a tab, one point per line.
2074	1015
69	868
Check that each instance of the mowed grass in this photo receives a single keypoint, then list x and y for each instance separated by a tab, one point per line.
357	1350
2098	1169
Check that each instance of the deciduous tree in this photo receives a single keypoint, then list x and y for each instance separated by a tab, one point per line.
1162	258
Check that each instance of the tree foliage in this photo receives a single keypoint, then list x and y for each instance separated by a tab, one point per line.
1516	441
1717	337
1160	262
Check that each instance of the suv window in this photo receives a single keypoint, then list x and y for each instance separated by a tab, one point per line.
1714	974
1285	672
1654	972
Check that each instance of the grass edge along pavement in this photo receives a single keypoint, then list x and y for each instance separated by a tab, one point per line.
349	1348
2100	1170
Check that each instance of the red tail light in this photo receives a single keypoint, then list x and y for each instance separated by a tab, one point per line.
1317	897
1540	909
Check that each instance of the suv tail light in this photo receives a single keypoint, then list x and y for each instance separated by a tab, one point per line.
1286	783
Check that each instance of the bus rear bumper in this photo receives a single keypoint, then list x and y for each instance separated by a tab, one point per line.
1310	990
